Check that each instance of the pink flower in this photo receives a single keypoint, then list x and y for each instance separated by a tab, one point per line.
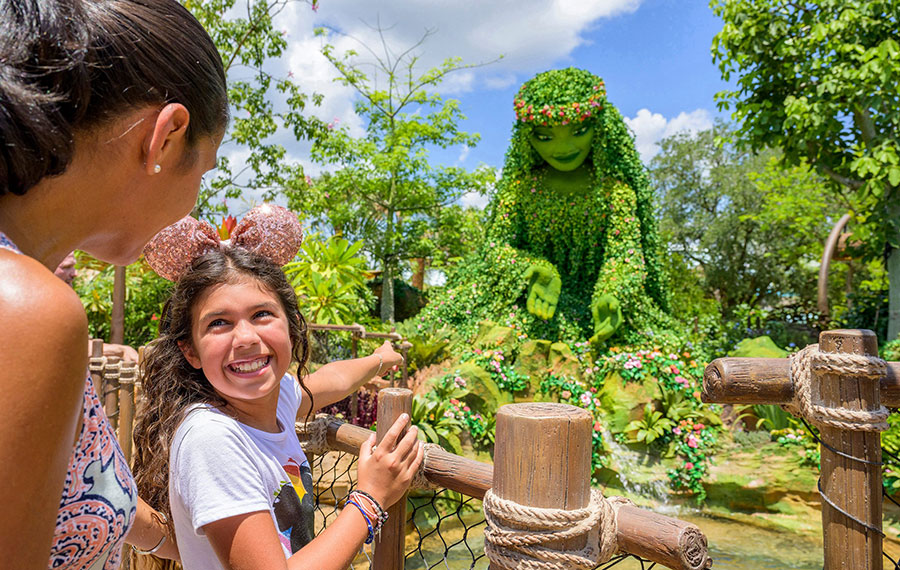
585	398
677	431
692	442
565	394
698	427
598	426
688	465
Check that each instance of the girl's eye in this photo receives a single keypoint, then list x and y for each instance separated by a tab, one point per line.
260	314
216	323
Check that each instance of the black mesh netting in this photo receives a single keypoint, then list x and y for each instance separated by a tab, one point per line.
445	529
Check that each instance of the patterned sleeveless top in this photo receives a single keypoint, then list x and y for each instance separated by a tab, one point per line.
99	500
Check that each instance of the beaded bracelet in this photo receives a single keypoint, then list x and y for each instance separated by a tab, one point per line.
371	536
382	514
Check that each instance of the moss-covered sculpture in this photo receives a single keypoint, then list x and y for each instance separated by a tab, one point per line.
571	232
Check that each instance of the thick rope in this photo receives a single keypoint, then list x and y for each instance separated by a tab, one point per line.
516	535
314	435
807	400
419	480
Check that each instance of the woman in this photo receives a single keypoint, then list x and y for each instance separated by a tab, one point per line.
110	113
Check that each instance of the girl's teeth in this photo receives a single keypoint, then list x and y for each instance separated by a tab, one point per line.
250	366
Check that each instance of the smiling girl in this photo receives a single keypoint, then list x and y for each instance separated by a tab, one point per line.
217	451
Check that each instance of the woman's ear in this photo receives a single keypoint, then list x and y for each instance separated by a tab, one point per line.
166	142
190	355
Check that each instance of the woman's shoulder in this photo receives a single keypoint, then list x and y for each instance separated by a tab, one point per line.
41	314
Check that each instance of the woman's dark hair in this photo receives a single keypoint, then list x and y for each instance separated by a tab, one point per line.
68	66
170	384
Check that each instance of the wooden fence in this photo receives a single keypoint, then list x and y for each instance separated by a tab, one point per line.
852	390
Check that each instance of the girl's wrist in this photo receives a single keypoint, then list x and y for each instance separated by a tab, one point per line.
380	363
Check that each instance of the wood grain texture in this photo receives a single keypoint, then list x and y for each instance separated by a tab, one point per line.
390	545
852	485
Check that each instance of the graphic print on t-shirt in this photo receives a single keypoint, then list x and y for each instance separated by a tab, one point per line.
294	509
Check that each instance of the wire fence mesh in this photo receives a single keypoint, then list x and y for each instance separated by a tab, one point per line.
445	529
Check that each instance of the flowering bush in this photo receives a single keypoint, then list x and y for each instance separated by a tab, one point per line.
480	428
693	442
499	367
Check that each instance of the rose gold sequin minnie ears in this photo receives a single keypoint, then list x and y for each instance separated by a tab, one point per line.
270	231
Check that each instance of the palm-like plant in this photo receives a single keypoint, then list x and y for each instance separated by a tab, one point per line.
649	428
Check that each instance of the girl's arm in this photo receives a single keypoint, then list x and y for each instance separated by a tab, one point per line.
148	530
337	380
250	541
42	384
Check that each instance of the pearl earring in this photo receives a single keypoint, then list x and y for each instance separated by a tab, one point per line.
157	169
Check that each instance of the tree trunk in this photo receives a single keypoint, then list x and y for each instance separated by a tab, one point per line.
387	293
418	278
893	269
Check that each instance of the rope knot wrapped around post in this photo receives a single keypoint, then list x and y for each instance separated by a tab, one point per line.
517	535
313	435
807	400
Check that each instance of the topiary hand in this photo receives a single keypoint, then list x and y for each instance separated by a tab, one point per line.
544	286
607	313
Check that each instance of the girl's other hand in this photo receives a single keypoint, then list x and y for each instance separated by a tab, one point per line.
386	471
390	357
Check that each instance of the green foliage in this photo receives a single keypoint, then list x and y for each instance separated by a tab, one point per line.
145	295
441	415
391	192
750	231
437	422
693	442
798	437
751	439
428	346
651	427
773	417
330	280
599	240
248	41
502	372
818	79
891	350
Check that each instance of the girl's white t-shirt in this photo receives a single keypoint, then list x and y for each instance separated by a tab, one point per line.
219	468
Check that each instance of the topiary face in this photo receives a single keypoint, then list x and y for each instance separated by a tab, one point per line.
564	147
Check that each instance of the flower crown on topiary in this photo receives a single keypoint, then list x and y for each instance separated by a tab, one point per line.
560	97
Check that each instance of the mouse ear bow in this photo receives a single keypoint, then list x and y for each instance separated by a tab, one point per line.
270	231
171	251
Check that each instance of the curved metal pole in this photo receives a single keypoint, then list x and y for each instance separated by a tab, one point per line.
830	246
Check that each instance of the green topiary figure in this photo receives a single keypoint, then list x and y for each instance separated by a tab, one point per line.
571	232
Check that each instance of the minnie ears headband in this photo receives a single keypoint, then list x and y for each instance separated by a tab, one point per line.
270	231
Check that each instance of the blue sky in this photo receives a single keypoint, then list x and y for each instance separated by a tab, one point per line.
654	56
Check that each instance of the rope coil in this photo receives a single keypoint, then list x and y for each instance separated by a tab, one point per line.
807	400
314	435
516	535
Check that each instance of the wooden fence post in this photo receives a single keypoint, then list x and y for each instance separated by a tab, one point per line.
110	396
542	458
126	407
390	546
852	485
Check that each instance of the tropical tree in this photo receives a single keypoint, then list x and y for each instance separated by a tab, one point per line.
818	79
748	229
393	192
249	43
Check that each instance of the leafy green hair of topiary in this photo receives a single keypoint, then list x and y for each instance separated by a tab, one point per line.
560	97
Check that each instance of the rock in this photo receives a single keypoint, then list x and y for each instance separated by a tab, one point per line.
484	395
532	361
759	347
492	336
563	362
623	401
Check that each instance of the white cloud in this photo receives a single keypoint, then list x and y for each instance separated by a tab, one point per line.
474	199
650	128
463	154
